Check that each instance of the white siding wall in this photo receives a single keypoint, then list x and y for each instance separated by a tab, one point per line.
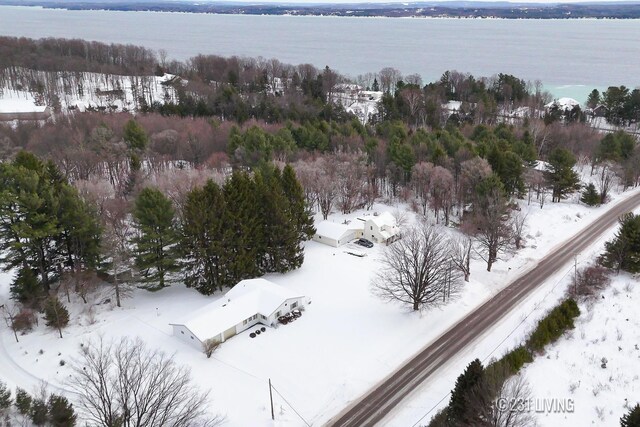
326	240
186	336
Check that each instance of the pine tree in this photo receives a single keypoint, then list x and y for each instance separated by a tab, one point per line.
26	288
243	232
281	250
39	413
623	252
202	240
23	401
560	175
632	418
375	87
590	196
56	314
459	411
61	412
154	219
5	398
135	136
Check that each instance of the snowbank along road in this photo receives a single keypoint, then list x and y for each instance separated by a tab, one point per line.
371	408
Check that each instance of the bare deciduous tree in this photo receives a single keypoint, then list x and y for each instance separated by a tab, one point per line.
417	270
461	247
124	383
511	398
116	244
518	222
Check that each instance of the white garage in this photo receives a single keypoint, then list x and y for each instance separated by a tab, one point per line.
335	234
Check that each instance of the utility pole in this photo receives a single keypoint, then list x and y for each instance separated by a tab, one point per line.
273	417
575	275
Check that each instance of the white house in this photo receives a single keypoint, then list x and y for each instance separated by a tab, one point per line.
248	303
381	228
335	234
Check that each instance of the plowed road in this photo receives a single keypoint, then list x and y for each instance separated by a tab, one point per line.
372	407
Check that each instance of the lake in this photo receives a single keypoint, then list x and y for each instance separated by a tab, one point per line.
571	57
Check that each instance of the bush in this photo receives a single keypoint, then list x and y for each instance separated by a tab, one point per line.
551	327
209	346
590	280
516	359
24	320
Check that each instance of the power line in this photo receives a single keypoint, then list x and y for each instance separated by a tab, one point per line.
510	333
290	405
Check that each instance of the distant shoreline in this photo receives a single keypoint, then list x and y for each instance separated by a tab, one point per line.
565	12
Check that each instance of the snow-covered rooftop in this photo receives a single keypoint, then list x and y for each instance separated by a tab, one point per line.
383	219
563	103
246	299
20	105
334	230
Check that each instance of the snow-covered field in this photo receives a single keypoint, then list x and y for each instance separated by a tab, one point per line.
345	342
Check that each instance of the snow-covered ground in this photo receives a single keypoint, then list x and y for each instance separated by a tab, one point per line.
345	342
23	90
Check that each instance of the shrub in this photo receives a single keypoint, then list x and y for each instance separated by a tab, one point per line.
24	320
590	280
516	359
553	325
209	346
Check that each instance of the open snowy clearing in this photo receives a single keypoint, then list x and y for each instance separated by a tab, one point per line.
344	343
569	369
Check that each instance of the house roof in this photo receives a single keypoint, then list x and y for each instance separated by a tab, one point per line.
332	230
244	300
385	218
563	103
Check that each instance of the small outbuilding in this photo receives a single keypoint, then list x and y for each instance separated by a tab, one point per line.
335	234
248	303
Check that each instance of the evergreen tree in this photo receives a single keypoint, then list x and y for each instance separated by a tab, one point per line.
61	412
202	240
632	418
39	413
44	226
56	314
135	136
375	87
593	100
5	398
459	411
280	251
23	401
243	232
26	288
590	196
300	213
154	219
623	252
560	175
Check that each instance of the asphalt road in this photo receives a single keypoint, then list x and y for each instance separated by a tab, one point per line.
371	408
